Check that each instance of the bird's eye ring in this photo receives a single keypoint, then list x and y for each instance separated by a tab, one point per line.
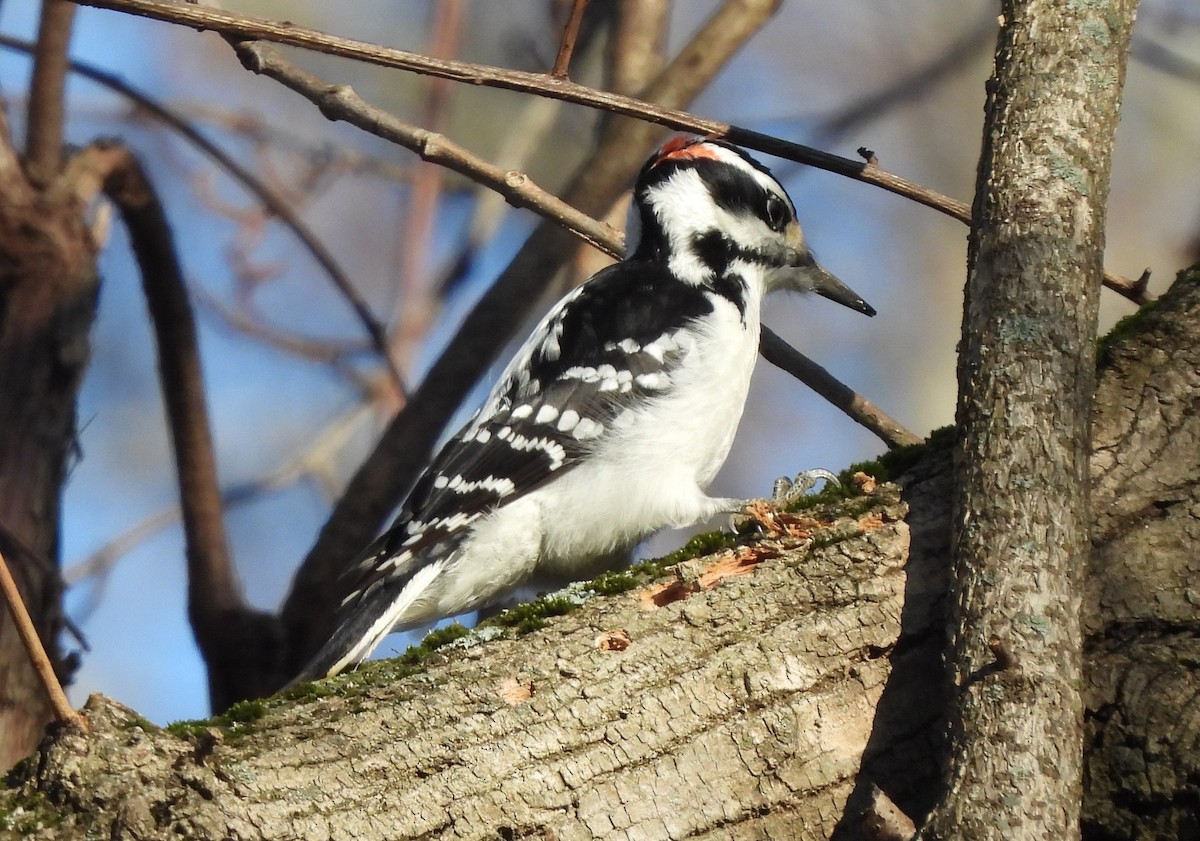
778	214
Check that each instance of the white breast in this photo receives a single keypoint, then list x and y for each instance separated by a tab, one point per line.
658	459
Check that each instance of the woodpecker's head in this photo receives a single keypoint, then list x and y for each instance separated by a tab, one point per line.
707	208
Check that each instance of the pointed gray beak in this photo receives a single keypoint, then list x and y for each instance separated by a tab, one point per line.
804	274
799	271
828	286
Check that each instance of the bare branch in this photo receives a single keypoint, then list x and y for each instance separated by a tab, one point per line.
44	132
413	307
858	408
567	46
239	27
37	652
341	102
213	582
237	643
264	194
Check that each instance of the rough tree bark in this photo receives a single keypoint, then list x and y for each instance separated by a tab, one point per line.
762	707
1025	379
48	291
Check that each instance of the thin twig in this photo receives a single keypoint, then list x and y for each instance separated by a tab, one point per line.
36	651
44	131
413	308
341	102
262	193
566	46
240	27
858	408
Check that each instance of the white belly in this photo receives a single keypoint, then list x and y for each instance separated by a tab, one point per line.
658	460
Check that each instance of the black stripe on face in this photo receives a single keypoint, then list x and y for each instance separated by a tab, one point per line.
741	194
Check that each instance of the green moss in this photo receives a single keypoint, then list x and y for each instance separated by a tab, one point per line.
897	462
1127	327
1135	322
699	546
437	638
137	722
237	718
832	536
349	684
312	691
532	616
25	814
191	729
244	712
20	773
889	467
616	581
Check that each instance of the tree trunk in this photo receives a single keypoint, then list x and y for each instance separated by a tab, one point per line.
47	302
754	694
1025	378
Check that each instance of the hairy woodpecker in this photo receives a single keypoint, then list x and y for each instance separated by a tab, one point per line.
611	420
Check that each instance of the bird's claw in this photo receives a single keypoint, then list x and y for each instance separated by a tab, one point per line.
784	493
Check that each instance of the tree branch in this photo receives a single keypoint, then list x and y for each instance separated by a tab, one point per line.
223	624
44	132
341	102
36	651
238	27
242	27
752	708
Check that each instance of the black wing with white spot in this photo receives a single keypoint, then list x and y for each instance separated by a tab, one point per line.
611	343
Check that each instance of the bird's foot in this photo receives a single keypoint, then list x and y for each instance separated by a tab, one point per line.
784	494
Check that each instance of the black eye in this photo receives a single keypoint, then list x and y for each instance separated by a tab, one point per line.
778	214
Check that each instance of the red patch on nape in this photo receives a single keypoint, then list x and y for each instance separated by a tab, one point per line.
684	147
